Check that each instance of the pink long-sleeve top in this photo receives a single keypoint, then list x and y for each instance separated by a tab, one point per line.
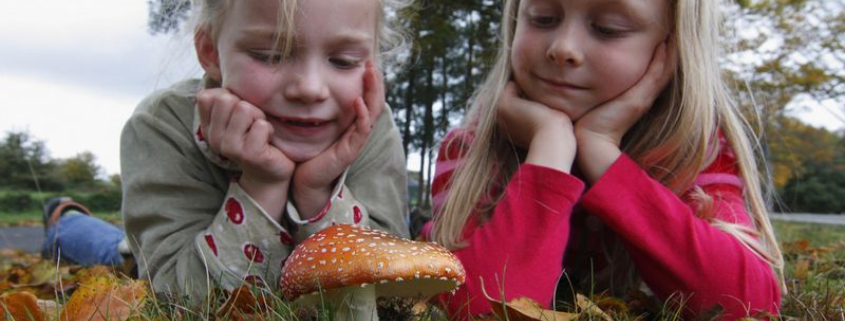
675	252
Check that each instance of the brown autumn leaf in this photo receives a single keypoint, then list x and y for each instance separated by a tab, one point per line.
20	306
802	267
590	308
104	297
243	304
525	309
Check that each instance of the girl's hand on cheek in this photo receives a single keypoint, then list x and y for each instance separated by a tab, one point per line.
546	133
314	179
240	132
600	131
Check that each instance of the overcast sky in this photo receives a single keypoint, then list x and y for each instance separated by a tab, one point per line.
71	72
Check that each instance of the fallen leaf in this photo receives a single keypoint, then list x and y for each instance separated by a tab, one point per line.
242	304
20	306
802	267
103	297
586	306
525	309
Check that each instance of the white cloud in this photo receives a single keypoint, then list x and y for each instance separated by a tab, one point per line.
71	72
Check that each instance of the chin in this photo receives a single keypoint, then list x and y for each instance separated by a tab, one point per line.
301	154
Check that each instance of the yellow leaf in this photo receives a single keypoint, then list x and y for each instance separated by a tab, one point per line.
102	297
590	308
525	309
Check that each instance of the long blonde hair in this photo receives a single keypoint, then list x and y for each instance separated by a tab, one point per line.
673	142
392	38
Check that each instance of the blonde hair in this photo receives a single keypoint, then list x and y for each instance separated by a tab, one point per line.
392	39
673	142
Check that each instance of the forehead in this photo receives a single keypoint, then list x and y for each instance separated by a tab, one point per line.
652	9
267	14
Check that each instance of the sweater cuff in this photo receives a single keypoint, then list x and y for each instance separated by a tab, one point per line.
615	185
550	180
243	243
342	208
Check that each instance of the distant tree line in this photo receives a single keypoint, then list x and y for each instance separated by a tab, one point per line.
27	172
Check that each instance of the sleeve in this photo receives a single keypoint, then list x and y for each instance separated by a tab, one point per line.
342	208
676	252
243	243
379	178
531	218
174	210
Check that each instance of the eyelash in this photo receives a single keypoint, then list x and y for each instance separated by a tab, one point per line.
544	21
344	63
608	32
266	58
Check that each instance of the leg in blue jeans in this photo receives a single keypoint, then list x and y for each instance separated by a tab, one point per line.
84	240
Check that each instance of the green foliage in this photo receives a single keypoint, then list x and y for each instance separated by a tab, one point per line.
24	163
80	171
16	201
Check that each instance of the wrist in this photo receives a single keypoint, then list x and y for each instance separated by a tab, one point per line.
270	195
310	200
553	147
595	155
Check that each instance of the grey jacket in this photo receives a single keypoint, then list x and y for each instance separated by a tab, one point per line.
178	200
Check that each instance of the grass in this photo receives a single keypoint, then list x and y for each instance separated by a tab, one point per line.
815	277
34	218
815	270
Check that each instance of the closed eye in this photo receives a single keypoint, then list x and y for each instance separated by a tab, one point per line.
544	21
266	57
345	63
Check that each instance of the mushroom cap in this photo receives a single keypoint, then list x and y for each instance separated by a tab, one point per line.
344	255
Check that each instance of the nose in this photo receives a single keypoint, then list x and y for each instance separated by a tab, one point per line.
305	84
567	48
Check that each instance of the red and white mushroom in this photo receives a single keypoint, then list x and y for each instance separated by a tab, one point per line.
343	256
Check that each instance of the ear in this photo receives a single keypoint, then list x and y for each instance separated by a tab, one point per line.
207	53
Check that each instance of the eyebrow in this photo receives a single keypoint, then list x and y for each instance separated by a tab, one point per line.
342	38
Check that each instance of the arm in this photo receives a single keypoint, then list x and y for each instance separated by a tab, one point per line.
531	218
173	194
677	252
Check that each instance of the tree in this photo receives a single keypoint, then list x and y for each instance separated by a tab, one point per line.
24	163
167	15
80	171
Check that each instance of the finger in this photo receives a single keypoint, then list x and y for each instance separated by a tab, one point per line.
239	122
357	134
373	90
220	113
258	137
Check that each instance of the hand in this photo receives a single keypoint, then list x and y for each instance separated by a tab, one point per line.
240	132
314	179
546	133
599	132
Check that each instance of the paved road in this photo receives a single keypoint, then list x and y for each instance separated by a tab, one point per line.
832	219
25	238
29	238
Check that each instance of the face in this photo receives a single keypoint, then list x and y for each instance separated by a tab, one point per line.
573	55
308	95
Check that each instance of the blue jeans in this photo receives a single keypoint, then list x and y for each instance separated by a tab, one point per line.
83	239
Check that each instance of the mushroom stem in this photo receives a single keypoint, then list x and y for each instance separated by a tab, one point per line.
355	303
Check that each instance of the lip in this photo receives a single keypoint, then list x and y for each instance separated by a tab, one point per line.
303	126
561	84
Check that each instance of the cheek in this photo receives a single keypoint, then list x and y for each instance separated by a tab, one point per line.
251	82
347	88
621	69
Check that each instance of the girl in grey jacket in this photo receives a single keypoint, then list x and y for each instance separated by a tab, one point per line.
287	133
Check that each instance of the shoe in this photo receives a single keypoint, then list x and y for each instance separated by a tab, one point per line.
58	206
